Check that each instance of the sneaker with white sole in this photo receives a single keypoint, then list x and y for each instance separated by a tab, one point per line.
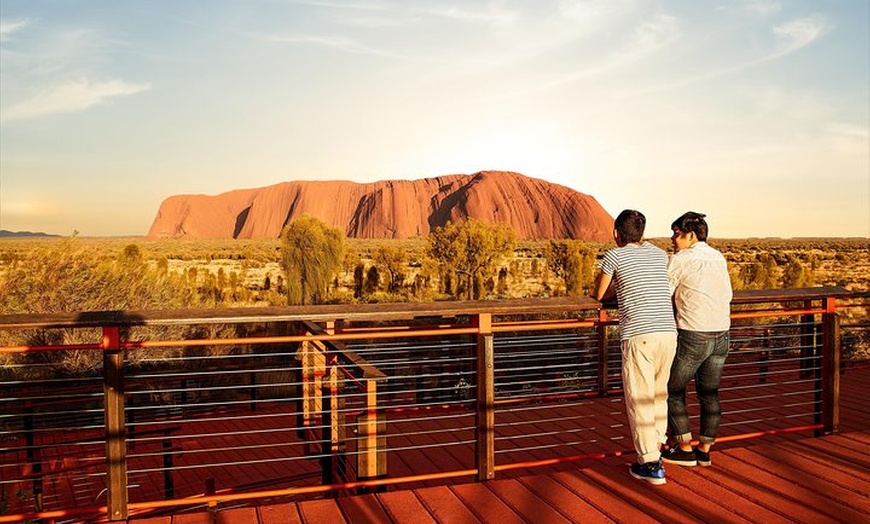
702	458
678	456
652	472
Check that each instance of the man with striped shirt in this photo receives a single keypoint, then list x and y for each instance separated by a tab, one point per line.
637	273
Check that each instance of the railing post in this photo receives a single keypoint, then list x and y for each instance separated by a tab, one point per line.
333	467
485	397
603	353
830	375
116	453
372	447
313	367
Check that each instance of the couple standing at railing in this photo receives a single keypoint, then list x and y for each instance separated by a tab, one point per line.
661	354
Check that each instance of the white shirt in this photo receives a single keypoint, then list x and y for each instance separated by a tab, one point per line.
699	281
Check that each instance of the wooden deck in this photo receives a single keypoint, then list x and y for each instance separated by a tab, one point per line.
802	479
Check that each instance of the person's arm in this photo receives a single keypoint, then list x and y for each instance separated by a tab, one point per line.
604	288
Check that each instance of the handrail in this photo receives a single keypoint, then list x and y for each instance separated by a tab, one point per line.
315	313
370	312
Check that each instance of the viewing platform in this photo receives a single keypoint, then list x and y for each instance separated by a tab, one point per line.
484	411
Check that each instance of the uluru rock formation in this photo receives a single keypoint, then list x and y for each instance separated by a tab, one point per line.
535	208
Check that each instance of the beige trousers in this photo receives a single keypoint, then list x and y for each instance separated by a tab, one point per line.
646	367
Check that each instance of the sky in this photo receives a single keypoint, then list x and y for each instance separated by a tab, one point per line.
755	112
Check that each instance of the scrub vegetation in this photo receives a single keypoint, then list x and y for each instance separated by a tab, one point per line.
312	263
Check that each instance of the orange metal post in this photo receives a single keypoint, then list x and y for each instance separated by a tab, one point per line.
372	457
485	398
830	379
113	391
334	442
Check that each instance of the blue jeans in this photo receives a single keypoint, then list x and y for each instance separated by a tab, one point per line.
700	355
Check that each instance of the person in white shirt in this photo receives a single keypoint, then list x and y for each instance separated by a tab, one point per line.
701	289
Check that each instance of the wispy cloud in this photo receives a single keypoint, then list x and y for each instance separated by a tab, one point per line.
790	37
799	33
8	28
493	16
756	7
76	95
648	38
338	43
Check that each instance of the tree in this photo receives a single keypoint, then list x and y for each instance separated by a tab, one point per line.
471	249
311	256
762	273
358	279
574	262
795	274
393	261
372	281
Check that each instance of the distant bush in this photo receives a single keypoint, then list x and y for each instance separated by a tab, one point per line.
68	277
311	257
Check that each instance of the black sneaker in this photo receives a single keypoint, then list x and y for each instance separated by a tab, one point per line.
677	456
652	472
702	458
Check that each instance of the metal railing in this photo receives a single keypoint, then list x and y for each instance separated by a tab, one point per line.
217	408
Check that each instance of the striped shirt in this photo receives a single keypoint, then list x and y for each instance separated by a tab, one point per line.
640	277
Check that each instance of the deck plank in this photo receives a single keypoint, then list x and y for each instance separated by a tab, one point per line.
779	494
617	508
815	463
834	453
562	499
488	507
652	500
325	510
363	509
704	488
524	502
404	506
814	489
279	514
683	494
445	506
236	516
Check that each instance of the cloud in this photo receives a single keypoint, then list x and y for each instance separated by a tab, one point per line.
790	37
338	43
7	28
498	17
493	15
76	95
648	38
799	33
757	7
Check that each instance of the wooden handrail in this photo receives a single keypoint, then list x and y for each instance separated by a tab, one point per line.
372	312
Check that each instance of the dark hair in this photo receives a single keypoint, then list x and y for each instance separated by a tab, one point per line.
630	225
692	222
